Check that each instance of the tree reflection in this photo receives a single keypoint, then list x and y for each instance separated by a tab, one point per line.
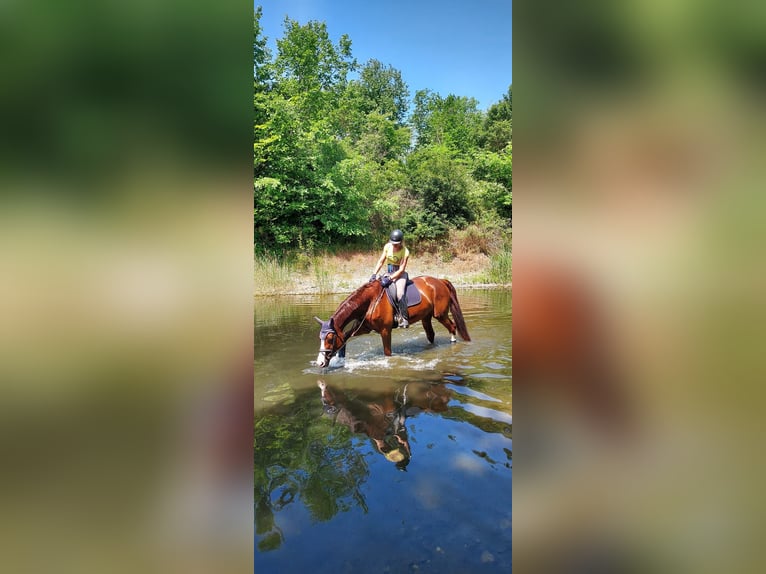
298	455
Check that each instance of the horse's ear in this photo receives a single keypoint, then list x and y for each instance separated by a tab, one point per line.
332	323
318	320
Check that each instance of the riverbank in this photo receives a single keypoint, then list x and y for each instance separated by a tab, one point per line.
344	272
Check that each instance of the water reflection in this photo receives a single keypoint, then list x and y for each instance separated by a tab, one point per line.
382	416
299	456
329	447
316	449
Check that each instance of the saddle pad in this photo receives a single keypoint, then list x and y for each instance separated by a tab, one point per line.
413	295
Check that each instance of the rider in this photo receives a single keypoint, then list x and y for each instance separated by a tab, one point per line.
396	255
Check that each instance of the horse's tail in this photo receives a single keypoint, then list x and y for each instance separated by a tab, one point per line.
457	313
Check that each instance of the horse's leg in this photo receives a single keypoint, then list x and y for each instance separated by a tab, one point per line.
447	322
429	328
441	310
385	334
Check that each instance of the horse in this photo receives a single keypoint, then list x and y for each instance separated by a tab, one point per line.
374	312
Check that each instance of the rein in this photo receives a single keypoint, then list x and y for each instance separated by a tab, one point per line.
359	326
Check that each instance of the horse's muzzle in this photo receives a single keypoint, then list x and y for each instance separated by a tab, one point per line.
323	359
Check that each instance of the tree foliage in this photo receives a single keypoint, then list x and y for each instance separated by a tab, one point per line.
496	169
310	67
337	158
261	52
384	91
497	131
441	183
453	121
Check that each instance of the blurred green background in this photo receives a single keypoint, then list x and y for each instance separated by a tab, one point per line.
126	282
639	173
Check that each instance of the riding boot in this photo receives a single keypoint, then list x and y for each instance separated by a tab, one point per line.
404	313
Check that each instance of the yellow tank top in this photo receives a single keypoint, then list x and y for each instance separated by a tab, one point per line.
395	258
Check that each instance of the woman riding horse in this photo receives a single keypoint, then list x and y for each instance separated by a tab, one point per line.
367	309
395	256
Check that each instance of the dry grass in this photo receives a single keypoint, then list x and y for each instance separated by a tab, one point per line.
469	258
323	275
475	239
272	276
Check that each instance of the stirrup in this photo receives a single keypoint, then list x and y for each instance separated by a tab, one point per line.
404	321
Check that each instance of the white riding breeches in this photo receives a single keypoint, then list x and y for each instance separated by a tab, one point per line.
400	285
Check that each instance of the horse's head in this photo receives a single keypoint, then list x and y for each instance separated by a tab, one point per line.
330	342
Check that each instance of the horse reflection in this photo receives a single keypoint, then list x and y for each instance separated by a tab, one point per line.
381	415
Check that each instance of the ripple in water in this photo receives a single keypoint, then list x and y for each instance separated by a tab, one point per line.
473	393
376	364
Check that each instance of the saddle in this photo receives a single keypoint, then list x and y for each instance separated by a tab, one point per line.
413	295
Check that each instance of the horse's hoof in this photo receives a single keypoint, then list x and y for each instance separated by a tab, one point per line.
453	339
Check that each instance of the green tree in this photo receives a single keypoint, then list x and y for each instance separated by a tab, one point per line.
261	53
349	118
333	159
498	126
371	112
441	183
310	66
496	170
301	197
382	140
384	91
377	185
454	121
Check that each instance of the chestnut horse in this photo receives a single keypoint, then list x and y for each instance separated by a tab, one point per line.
372	311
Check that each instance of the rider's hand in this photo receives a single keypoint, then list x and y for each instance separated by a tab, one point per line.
373	277
385	281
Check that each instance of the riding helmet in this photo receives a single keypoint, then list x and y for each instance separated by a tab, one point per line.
397	236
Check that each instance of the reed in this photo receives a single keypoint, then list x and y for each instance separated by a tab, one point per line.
271	275
324	276
500	266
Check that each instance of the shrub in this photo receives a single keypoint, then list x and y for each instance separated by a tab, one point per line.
475	239
442	184
423	225
494	175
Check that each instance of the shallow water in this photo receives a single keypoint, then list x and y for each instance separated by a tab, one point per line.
383	464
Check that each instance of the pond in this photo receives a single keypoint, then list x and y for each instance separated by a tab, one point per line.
384	464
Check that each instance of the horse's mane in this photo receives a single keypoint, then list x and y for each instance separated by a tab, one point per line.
350	305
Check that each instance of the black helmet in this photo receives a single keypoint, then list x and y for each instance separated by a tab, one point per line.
396	236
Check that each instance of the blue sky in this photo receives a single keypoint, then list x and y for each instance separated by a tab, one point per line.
448	46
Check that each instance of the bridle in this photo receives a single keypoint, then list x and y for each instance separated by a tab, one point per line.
330	353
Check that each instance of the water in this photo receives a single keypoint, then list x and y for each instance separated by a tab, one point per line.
385	464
